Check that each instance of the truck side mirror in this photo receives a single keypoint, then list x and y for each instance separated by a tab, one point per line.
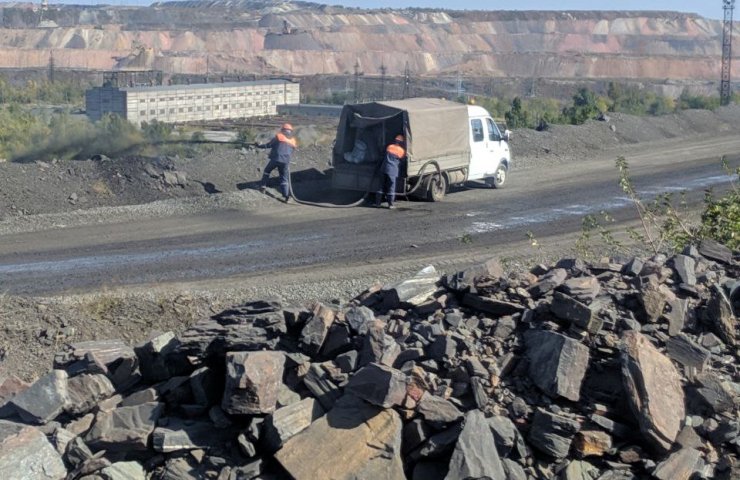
507	135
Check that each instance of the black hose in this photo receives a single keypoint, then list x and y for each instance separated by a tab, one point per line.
332	205
362	200
421	177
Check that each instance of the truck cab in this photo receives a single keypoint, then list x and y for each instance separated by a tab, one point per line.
490	158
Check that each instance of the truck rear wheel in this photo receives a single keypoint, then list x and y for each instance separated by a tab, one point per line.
437	187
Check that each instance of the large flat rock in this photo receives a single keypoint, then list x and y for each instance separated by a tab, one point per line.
557	364
354	441
26	454
475	454
45	399
653	389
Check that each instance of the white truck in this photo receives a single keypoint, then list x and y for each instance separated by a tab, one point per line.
447	143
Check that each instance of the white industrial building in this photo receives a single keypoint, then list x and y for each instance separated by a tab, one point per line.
185	103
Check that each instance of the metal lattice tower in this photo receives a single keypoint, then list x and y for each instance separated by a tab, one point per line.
725	91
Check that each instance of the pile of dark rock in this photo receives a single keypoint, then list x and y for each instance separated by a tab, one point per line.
613	370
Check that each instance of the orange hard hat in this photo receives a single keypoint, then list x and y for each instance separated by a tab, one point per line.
399	138
287	126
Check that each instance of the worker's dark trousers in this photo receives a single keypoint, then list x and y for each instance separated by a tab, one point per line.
389	188
283	170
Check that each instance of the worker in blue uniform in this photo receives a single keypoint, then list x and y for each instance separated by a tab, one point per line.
389	169
281	148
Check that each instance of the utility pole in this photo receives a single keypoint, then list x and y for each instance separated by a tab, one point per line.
383	70
51	66
725	89
406	81
357	81
459	86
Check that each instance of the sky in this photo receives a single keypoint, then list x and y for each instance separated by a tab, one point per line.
709	9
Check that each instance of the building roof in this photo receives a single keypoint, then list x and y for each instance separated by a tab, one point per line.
198	86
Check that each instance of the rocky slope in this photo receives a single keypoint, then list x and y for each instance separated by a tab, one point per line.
619	369
306	39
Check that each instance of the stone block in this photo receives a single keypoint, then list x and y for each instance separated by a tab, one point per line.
364	441
653	388
253	380
43	400
557	364
26	454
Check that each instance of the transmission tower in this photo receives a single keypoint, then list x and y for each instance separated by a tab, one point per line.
406	81
725	90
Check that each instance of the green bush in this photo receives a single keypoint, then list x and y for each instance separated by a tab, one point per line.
156	131
585	106
720	219
518	116
687	101
60	92
245	135
665	225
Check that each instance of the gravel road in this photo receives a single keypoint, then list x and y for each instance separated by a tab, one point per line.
133	254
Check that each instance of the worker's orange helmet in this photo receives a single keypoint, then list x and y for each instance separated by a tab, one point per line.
399	138
287	126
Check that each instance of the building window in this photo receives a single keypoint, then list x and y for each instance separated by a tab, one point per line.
151	99
182	109
161	111
190	109
226	107
172	110
143	100
171	99
152	111
215	107
142	113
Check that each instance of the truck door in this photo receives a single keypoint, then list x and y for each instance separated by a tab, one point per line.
479	149
497	147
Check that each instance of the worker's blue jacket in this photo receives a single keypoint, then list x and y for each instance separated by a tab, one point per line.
282	147
392	161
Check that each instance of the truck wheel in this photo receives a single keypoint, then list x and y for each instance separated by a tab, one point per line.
437	188
499	179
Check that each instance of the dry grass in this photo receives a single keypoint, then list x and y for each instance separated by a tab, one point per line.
101	188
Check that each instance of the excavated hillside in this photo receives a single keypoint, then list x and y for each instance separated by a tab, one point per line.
298	38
